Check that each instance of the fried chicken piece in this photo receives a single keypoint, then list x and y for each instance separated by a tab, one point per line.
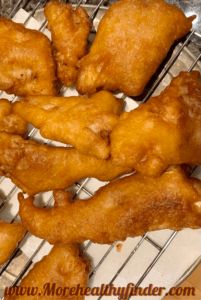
63	267
132	40
9	121
164	131
10	236
26	66
37	168
69	29
124	208
82	122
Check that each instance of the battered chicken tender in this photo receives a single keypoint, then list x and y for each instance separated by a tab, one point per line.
82	122
133	38
124	208
10	236
164	131
35	168
10	122
70	29
63	268
26	66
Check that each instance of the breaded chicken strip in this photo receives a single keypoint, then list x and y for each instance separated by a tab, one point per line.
63	269
70	29
10	236
164	131
26	65
82	122
9	121
124	208
132	40
35	168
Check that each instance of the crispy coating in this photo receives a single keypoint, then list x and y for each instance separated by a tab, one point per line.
69	29
82	122
36	168
10	236
124	208
26	66
133	38
164	131
63	267
9	121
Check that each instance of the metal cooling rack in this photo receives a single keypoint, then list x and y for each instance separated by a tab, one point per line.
101	253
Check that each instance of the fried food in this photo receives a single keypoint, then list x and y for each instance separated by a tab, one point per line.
10	236
69	29
82	122
26	66
10	122
124	208
164	131
132	40
37	168
63	268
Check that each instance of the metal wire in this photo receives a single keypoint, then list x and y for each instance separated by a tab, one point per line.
37	6
28	264
102	260
154	261
8	197
188	271
4	267
93	14
194	63
153	243
82	187
168	66
15	8
127	260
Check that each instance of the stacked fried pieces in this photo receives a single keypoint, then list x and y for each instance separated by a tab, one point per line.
150	144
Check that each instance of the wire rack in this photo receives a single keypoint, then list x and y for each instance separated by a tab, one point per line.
108	265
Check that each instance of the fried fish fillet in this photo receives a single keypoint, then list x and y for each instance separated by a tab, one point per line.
69	29
10	236
9	121
82	122
35	168
124	208
132	40
26	66
62	269
164	131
